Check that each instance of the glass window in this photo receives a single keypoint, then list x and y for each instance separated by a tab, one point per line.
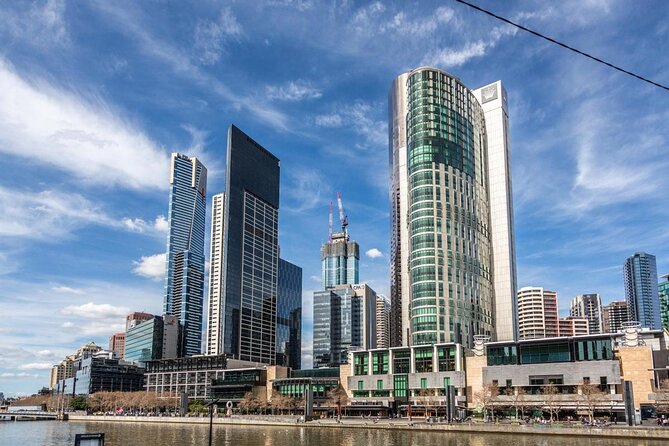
400	384
446	359
380	363
543	353
361	385
423	383
423	361
502	355
360	364
379	384
401	361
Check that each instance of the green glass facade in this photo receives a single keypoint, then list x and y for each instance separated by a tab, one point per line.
451	295
663	293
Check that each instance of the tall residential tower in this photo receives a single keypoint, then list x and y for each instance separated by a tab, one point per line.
184	284
588	306
216	267
643	303
340	256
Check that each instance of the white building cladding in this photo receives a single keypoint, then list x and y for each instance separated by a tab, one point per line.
493	99
216	264
184	284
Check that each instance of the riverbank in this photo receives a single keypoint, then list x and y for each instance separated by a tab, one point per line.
615	431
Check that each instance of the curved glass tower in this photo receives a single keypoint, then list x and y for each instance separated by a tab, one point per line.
450	262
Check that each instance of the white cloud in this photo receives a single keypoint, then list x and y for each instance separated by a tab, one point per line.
373	253
306	189
159	225
43	25
10	375
293	91
45	353
36	366
67	290
152	267
211	36
95	311
46	215
315	278
421	26
67	324
331	120
361	117
83	137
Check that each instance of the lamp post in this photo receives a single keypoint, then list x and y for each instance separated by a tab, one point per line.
211	405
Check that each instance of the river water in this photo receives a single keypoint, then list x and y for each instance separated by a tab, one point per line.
56	433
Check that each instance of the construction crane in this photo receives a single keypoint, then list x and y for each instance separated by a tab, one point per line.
330	224
342	217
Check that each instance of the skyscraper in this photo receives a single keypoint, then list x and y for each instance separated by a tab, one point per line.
493	99
289	315
537	313
663	294
588	306
184	284
339	255
344	320
250	251
643	303
441	235
216	267
614	316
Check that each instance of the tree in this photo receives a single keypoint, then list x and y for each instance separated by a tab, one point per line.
662	397
519	399
486	397
592	396
336	398
79	403
553	400
248	403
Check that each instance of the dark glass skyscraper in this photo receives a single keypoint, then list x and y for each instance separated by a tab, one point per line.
289	316
184	284
251	249
643	303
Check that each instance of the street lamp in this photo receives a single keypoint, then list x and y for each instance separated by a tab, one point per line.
211	405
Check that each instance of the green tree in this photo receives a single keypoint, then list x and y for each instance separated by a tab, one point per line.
79	403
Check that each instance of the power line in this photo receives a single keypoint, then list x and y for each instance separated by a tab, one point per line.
596	59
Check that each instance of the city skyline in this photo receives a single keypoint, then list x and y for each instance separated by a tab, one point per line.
82	232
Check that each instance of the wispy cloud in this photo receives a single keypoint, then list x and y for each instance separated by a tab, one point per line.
363	117
293	91
67	290
212	35
157	226
152	267
41	25
306	189
91	310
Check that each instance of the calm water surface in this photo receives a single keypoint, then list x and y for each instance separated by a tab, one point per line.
55	433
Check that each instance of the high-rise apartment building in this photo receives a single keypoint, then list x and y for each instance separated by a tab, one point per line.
135	318
663	295
344	320
382	321
614	316
340	256
643	303
537	313
184	284
494	101
446	222
289	315
573	326
588	306
117	344
247	317
216	267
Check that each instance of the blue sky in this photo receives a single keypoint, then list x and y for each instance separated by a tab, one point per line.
95	95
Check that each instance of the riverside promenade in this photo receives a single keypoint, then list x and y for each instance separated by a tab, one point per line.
649	432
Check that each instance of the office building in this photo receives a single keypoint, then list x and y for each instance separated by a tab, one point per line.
135	318
573	326
446	221
289	315
643	303
614	316
382	321
340	256
247	319
102	374
663	296
344	320
144	341
117	344
537	313
588	306
216	267
172	332
494	101
184	284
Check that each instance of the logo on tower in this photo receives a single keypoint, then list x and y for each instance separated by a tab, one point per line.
489	93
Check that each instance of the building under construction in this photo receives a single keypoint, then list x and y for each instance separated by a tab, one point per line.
339	255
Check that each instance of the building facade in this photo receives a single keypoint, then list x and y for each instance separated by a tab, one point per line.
289	315
344	320
135	318
102	374
144	341
573	326
117	344
537	313
494	101
614	316
382	321
643	303
184	283
588	306
339	261
216	266
663	295
251	250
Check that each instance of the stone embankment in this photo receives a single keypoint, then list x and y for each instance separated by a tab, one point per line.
614	431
